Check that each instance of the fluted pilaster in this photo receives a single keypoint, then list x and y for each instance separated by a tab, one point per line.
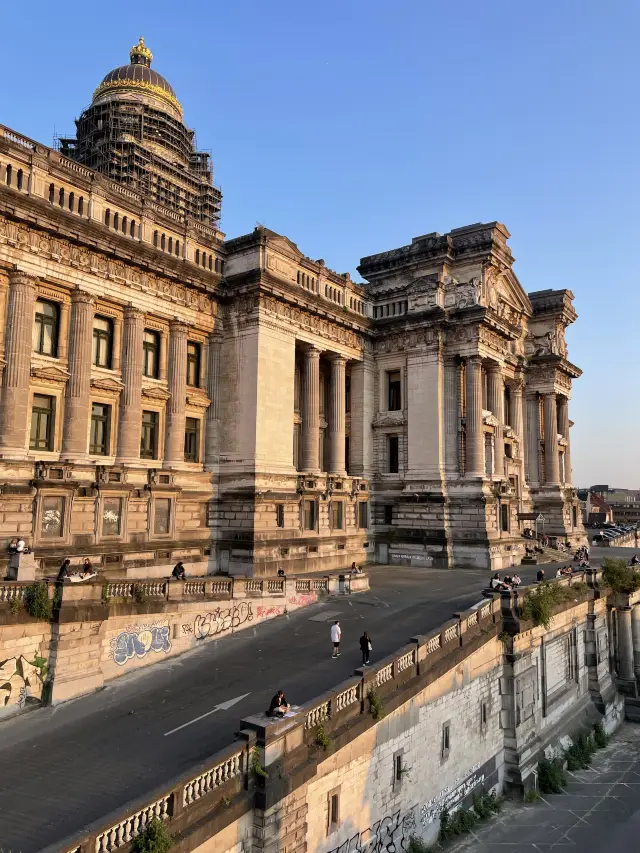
451	414
473	415
563	423
17	353
337	417
212	427
533	438
495	394
625	644
131	398
551	462
311	411
77	398
174	444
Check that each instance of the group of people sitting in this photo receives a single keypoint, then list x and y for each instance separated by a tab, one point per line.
84	573
563	571
582	557
508	582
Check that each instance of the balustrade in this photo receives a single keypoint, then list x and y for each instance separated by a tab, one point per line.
125	831
433	644
317	715
196	788
406	661
450	633
303	586
385	674
347	697
12	591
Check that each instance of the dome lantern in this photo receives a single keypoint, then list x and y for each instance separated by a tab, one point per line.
140	54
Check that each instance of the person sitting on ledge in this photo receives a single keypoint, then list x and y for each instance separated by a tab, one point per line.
280	573
355	570
64	570
515	580
540	575
178	572
635	560
278	706
496	584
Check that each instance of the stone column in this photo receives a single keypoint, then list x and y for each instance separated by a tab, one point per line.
174	444
337	416
78	391
3	311
495	394
551	461
311	411
473	415
212	425
533	439
63	331
451	415
131	398
635	634
162	358
116	355
17	353
563	423
625	644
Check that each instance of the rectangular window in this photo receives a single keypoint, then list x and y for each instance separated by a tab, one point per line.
111	516
149	438
309	515
574	516
192	440
363	515
100	424
398	770
162	516
279	515
45	328
483	715
394	395
334	811
393	450
102	341
337	515
52	523
388	514
41	437
446	739
193	364
151	354
504	518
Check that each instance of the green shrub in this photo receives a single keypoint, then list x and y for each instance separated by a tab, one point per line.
538	603
106	598
619	576
15	606
139	594
486	805
599	737
257	768
322	738
376	707
36	601
417	845
155	839
551	776
531	796
461	821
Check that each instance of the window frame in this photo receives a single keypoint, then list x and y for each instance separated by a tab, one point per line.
505	520
446	740
194	360
42	509
394	391
154	521
104	419
393	458
313	505
155	425
190	430
41	321
36	415
280	515
99	336
151	347
121	517
337	506
333	811
388	513
363	513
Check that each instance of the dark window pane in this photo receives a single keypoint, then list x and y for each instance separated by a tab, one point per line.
151	354
45	328
395	402
102	341
279	515
41	436
193	364
149	437
393	454
309	515
192	440
363	515
100	423
162	516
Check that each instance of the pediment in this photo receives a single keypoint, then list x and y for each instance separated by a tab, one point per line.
106	383
50	373
423	284
153	392
504	288
200	401
278	243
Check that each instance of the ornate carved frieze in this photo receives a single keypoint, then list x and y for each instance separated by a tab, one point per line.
300	319
551	342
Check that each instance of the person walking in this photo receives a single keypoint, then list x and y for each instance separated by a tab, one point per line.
365	648
336	633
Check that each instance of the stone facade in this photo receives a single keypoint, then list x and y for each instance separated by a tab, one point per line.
168	394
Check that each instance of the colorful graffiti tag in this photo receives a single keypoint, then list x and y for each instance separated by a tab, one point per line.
268	612
220	620
139	641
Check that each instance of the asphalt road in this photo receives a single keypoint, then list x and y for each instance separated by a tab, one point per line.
63	768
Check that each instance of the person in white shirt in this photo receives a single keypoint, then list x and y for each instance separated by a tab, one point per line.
336	633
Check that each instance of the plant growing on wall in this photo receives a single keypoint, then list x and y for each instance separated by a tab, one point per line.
257	768
539	603
106	598
138	594
619	576
376	707
155	839
36	601
551	776
15	606
599	736
322	738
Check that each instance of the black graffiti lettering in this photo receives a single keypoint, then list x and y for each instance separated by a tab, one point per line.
221	620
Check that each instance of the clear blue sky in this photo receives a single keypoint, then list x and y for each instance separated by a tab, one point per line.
353	126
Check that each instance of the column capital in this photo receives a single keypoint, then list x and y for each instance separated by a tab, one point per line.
312	352
475	360
17	276
178	327
337	358
132	313
493	367
78	295
516	384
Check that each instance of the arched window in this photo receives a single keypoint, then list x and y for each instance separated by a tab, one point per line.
297	275
116	221
61	197
177	248
132	228
155	239
210	263
107	217
81	205
170	246
9	171
52	193
124	224
198	256
163	242
72	202
19	179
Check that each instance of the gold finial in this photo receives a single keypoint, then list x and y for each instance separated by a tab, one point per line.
141	50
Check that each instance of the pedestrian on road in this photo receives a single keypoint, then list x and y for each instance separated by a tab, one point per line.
336	633
365	648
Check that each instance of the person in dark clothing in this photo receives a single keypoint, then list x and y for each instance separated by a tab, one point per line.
365	648
178	572
278	706
540	575
280	573
64	570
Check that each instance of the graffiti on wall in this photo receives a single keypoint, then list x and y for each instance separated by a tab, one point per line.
21	679
450	796
220	620
138	640
263	612
392	834
301	600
